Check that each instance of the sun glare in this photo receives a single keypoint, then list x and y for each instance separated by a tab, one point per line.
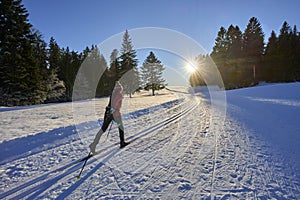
189	68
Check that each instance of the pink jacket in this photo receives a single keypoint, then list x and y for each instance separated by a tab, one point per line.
116	101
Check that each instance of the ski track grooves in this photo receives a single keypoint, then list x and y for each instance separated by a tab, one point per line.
42	183
128	118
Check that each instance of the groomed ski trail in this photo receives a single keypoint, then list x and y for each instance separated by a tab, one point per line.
39	185
182	154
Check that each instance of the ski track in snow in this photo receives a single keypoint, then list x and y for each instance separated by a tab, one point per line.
175	153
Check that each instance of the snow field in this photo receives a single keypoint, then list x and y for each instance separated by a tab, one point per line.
181	149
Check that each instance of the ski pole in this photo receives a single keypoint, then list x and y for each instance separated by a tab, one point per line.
90	154
109	130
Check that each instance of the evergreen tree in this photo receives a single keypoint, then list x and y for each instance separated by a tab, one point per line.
288	45
296	54
113	59
253	49
284	42
234	40
20	77
271	59
40	53
253	41
56	90
54	55
272	46
112	72
227	55
94	66
55	87
234	59
245	60
151	73
70	62
128	64
219	52
104	83
85	53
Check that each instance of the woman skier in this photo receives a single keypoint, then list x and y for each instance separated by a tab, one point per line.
112	112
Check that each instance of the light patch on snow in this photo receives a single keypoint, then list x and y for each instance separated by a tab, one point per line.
277	101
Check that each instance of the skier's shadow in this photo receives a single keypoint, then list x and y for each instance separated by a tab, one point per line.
73	187
39	189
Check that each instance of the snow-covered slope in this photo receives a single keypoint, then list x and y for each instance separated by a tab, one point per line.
272	112
181	149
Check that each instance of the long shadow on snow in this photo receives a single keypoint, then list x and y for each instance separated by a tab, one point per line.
37	190
69	191
33	144
26	146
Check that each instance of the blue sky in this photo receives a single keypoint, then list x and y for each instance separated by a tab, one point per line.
78	23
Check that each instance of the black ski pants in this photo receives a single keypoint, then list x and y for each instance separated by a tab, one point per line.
108	117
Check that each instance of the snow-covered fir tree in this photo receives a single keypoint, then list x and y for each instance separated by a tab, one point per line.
56	90
152	74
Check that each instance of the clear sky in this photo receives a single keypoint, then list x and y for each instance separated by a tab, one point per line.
78	23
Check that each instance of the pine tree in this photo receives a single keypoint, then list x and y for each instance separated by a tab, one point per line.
54	55
253	40
151	73
272	46
103	85
296	54
282	55
285	52
85	53
128	65
20	76
271	59
93	67
253	49
227	55
112	72
56	90
113	60
40	53
288	44
65	71
234	40
219	52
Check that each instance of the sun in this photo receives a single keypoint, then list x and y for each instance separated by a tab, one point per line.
190	68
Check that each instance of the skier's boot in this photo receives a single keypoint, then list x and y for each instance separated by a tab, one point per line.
96	141
122	140
124	144
93	148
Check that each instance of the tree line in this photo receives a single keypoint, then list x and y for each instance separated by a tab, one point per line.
243	58
34	72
